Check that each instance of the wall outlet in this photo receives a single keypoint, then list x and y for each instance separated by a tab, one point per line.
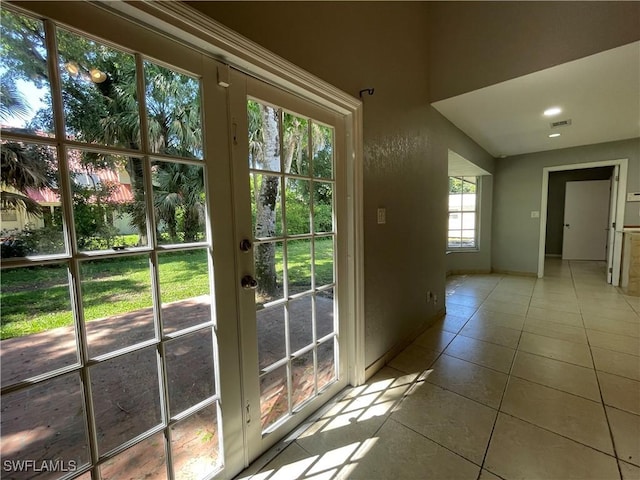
382	216
429	296
535	214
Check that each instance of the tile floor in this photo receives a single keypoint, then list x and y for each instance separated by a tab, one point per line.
523	378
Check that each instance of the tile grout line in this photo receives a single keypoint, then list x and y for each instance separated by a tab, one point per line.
595	371
504	392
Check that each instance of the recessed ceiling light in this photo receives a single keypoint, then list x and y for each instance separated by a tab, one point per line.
550	112
554	135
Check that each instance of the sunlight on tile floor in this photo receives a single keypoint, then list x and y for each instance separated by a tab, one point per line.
524	378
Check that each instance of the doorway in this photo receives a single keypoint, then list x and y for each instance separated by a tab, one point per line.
551	228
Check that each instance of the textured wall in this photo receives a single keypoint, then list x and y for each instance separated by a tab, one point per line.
477	44
518	189
381	45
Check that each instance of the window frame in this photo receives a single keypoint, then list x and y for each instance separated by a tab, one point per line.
476	211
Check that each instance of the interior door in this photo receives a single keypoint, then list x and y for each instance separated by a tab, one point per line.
289	191
586	216
611	225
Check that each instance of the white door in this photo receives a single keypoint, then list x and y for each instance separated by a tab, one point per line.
611	225
120	347
586	216
289	187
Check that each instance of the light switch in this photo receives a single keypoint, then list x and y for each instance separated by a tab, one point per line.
382	215
535	214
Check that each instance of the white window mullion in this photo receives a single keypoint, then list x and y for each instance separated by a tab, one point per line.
66	200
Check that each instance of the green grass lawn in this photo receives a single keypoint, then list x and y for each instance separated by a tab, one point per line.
35	299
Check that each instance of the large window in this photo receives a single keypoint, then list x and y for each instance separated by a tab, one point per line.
463	213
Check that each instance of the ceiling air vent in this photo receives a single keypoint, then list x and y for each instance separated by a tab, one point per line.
561	123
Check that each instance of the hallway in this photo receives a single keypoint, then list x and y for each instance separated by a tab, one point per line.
523	378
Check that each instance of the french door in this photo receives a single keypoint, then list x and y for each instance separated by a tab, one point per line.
289	192
172	286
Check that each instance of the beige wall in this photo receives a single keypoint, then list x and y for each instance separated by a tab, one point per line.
381	45
477	44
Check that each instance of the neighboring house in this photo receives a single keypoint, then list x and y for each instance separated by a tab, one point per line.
117	181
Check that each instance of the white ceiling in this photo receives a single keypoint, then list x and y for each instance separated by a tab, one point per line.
599	93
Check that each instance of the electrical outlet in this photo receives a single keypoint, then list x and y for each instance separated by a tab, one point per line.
429	296
435	299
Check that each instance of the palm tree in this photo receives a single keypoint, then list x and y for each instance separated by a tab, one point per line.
12	102
21	169
179	188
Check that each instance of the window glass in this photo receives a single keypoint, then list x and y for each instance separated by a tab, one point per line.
24	76
109	207
463	204
173	110
99	92
30	192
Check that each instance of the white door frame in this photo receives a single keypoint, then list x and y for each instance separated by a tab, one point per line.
622	163
613	209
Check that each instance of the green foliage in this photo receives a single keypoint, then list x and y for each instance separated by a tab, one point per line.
24	167
462	184
105	111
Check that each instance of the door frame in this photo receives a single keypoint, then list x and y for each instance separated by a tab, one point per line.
620	200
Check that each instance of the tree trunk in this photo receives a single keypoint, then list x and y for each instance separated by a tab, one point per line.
265	263
139	208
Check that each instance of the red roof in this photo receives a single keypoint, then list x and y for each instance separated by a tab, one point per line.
120	192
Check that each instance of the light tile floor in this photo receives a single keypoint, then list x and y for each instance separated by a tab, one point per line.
524	378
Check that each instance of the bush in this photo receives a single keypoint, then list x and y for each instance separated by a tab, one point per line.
32	241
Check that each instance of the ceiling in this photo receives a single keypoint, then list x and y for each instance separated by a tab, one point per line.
461	167
599	93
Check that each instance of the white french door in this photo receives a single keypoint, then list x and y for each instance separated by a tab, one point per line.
176	306
289	181
119	347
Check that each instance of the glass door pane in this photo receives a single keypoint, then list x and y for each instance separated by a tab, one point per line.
293	235
109	321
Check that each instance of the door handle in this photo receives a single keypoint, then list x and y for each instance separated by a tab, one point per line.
248	282
245	245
